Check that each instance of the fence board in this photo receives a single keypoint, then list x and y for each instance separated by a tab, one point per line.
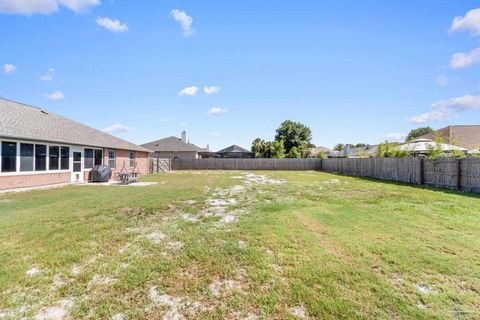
393	169
246	164
461	174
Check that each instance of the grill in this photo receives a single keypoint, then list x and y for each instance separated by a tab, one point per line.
101	173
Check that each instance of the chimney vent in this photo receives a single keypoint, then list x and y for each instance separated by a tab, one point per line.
184	137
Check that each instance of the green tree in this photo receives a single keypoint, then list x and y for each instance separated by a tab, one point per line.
294	134
294	153
322	155
339	147
277	149
415	133
436	151
391	150
259	146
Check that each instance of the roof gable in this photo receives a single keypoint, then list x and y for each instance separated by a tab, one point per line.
171	144
234	148
21	121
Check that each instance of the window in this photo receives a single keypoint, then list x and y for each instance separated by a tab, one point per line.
53	157
9	156
132	159
88	164
111	159
98	157
26	157
40	157
64	158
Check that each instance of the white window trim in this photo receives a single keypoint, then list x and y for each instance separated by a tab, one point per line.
48	144
94	148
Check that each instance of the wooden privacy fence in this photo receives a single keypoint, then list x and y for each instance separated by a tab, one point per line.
158	165
395	169
246	164
456	174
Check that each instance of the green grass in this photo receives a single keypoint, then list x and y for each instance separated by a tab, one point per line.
331	247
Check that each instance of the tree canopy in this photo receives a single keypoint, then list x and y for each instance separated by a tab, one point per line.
294	134
415	133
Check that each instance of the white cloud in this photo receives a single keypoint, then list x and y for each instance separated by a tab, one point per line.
211	90
57	95
188	91
217	111
29	7
442	80
463	60
183	124
48	76
9	68
448	109
118	128
112	25
471	22
185	21
79	5
395	137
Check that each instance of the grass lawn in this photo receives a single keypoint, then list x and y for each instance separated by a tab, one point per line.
229	245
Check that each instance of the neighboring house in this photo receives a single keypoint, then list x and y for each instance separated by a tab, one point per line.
39	148
175	148
361	152
465	136
234	151
314	152
421	147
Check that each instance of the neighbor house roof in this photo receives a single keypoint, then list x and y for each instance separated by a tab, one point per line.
315	151
370	150
21	121
234	148
424	145
465	136
172	144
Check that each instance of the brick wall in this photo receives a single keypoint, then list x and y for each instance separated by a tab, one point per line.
33	180
123	156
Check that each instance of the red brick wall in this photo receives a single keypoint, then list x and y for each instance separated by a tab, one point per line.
123	156
33	180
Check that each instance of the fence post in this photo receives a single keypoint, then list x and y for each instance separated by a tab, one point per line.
422	171
459	174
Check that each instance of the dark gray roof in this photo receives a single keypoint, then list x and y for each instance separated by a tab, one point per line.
21	121
172	144
234	148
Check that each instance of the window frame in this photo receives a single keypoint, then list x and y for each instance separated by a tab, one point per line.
110	159
32	160
18	160
134	159
16	164
37	158
50	162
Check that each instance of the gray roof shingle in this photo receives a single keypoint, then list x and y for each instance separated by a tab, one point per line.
234	148
172	144
21	121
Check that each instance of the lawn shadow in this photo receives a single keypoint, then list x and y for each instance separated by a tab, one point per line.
416	186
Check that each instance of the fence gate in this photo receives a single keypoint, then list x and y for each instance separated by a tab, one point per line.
158	165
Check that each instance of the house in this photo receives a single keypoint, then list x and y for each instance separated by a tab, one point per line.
174	148
422	147
314	152
39	148
465	136
234	151
370	151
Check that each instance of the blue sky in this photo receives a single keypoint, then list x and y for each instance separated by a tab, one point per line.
354	71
